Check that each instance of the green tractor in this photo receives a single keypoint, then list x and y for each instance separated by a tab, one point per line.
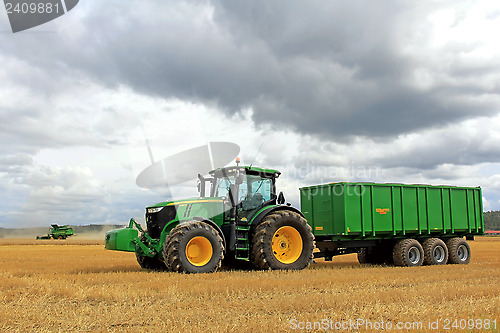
237	218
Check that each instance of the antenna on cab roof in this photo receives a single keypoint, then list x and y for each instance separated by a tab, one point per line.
258	151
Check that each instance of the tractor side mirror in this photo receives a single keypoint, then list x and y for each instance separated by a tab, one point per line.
281	198
201	185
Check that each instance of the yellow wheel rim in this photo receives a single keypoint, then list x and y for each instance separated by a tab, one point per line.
287	245
199	251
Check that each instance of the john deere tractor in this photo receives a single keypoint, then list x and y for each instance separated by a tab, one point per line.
237	218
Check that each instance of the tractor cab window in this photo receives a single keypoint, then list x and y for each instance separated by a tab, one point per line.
222	187
254	191
255	185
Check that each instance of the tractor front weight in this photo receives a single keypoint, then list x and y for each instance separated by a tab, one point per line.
127	239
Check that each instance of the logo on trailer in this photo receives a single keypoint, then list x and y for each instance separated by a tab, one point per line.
382	211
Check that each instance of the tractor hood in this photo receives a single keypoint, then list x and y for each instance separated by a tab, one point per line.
163	213
194	200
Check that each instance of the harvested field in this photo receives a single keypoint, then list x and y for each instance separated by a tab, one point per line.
76	285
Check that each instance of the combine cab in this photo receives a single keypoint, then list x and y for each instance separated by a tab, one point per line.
58	232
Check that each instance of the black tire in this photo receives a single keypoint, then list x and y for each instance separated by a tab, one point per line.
371	255
193	236
408	252
292	239
151	263
364	256
377	255
458	251
435	252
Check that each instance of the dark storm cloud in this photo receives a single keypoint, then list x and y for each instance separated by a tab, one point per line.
429	155
355	34
329	68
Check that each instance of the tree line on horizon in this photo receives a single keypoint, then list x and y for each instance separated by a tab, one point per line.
492	220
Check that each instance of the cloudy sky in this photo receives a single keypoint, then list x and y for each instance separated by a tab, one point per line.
384	91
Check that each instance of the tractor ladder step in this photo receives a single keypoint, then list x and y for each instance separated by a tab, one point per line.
242	242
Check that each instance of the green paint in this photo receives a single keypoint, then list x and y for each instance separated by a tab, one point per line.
58	231
122	239
343	211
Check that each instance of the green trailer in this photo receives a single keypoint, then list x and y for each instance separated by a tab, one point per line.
406	225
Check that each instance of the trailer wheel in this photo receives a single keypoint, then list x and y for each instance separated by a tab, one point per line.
193	247
363	256
369	255
282	240
152	263
377	255
458	251
435	252
408	252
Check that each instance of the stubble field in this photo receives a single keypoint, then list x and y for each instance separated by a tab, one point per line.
76	285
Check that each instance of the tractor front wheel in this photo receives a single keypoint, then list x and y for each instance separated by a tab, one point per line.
282	240
193	247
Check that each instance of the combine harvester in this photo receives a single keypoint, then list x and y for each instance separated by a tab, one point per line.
242	218
58	232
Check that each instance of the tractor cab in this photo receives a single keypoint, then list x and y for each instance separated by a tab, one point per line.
245	189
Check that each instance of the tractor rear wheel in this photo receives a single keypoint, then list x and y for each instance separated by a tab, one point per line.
193	247
152	263
282	240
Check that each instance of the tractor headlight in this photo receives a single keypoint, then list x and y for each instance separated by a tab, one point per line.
154	210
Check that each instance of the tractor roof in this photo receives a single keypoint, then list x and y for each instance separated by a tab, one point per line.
247	169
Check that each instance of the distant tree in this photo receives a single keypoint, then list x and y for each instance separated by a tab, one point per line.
492	220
